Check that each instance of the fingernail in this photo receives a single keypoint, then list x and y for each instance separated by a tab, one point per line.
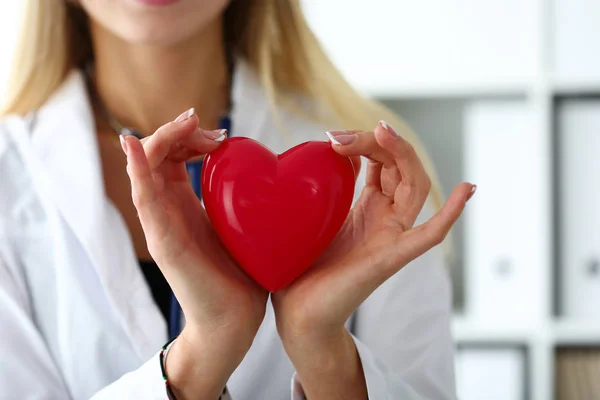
472	192
388	128
123	143
339	138
217	135
338	133
131	132
186	115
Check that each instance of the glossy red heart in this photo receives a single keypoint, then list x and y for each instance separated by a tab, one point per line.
276	213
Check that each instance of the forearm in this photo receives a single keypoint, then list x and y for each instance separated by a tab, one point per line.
198	366
328	368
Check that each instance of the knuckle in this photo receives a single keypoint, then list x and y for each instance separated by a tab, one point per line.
130	171
163	134
410	183
436	235
405	149
409	147
138	200
427	186
164	129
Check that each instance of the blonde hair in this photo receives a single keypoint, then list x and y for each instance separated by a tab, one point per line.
272	35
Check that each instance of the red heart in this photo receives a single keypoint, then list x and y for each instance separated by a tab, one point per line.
276	213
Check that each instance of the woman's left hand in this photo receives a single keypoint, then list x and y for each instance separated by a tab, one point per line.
376	241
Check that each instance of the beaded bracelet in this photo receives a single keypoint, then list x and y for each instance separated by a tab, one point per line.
170	393
162	356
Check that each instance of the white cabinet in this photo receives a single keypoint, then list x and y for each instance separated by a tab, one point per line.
579	200
576	45
491	373
504	237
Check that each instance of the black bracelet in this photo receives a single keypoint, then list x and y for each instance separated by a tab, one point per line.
164	372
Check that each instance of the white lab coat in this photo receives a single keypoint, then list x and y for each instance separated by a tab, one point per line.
77	319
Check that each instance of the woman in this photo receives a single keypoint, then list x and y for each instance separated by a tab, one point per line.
83	309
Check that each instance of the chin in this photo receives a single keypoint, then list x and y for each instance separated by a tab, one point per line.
144	22
165	33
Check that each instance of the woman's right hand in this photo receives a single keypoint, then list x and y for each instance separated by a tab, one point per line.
223	306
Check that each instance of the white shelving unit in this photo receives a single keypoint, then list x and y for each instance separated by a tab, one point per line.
440	56
449	90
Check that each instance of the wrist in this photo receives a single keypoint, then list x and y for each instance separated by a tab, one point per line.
199	363
322	351
328	366
308	332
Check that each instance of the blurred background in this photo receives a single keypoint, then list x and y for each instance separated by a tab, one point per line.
506	94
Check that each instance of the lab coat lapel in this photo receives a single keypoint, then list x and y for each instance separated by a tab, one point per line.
250	104
60	148
68	168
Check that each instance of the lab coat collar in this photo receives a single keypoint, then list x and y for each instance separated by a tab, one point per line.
67	165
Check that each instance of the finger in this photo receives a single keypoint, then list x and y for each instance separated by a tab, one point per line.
198	144
192	148
172	137
358	143
186	148
356	160
422	238
350	143
356	164
143	190
414	183
187	156
373	177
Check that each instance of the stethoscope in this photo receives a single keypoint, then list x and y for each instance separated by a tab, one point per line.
194	170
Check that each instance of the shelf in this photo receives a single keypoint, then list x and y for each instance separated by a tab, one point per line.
575	87
573	332
564	331
448	90
469	331
480	89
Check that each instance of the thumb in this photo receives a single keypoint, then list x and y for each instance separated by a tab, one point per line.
422	238
181	135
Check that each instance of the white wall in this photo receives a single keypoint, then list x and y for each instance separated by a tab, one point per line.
386	46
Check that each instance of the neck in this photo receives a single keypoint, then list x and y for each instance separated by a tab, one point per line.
144	87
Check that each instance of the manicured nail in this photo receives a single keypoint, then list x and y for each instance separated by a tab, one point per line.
338	133
472	192
340	137
123	143
218	135
388	128
186	115
131	132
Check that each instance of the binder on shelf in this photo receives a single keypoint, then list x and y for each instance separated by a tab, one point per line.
577	371
576	36
491	373
578	148
504	225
